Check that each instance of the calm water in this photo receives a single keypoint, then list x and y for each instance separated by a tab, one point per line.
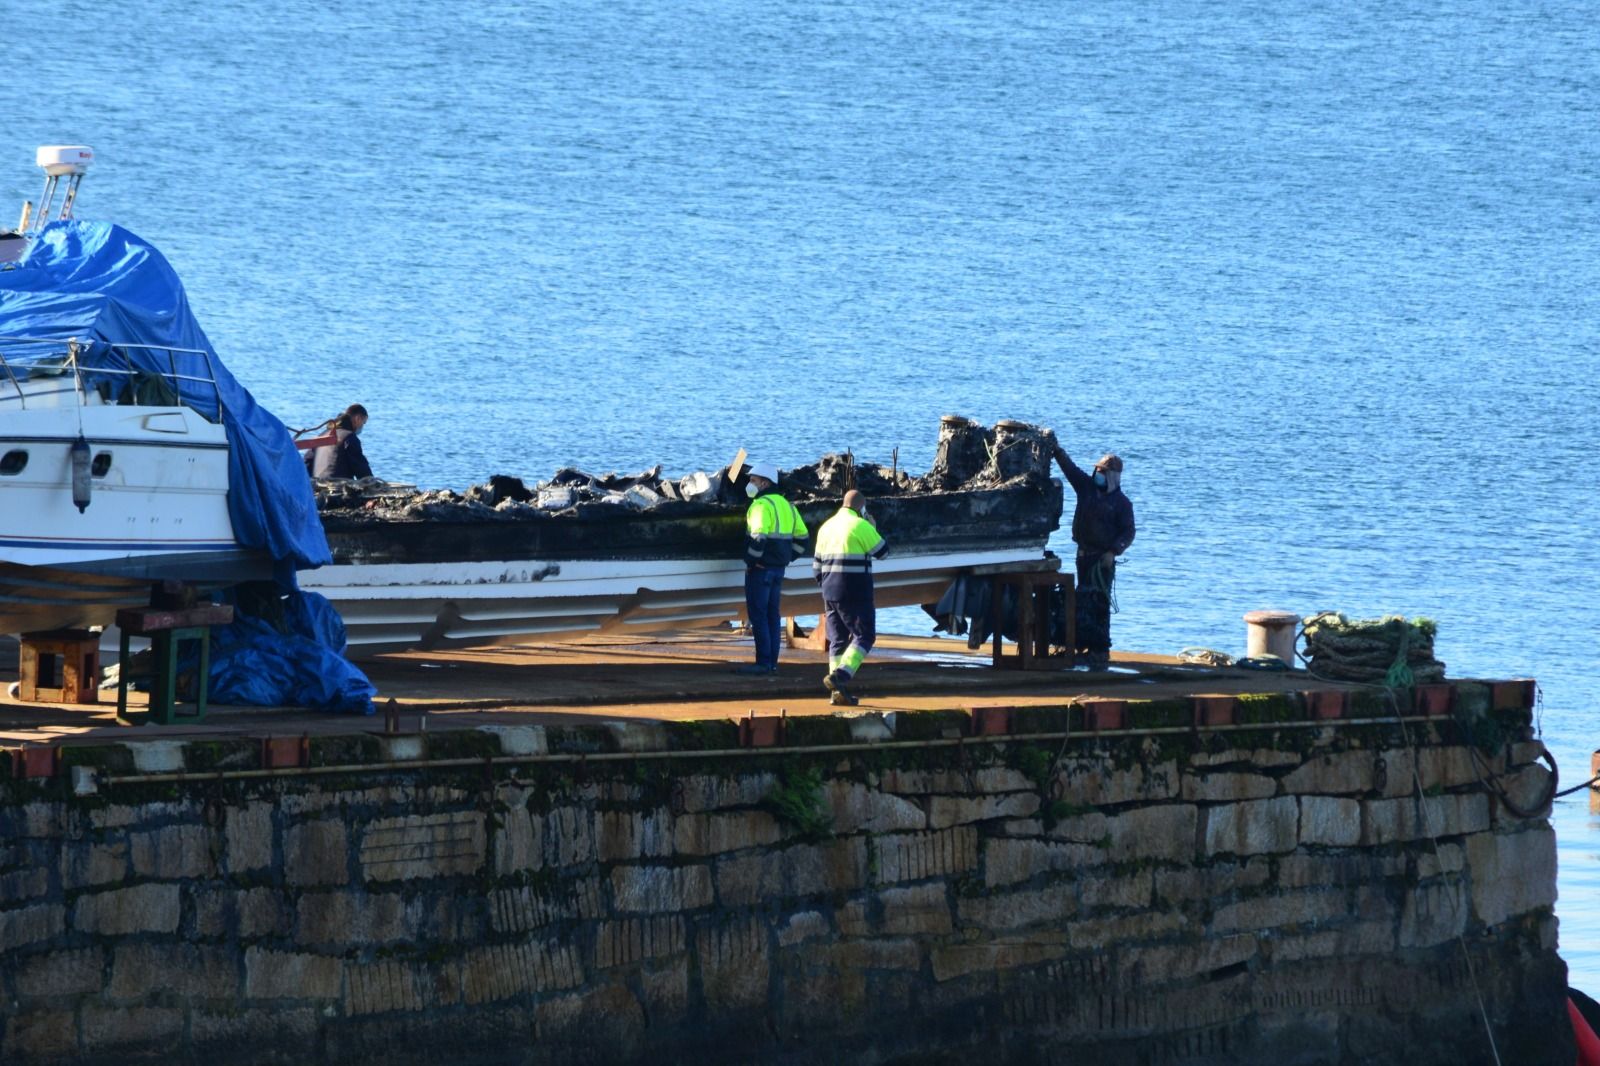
1325	274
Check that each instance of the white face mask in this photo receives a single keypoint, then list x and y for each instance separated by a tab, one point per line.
750	489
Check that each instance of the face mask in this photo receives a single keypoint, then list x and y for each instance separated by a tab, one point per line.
750	490
1099	479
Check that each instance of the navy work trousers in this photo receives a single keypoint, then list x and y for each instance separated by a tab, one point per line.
850	622
763	595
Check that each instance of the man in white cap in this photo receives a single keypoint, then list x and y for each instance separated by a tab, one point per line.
775	535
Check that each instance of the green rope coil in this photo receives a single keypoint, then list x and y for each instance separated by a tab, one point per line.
1392	651
1400	675
1100	583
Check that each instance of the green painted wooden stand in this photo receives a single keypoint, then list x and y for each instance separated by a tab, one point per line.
167	629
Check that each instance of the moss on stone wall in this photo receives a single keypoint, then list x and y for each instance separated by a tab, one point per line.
932	725
1261	707
798	803
462	744
702	735
1159	714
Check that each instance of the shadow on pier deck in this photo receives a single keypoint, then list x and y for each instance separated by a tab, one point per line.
668	678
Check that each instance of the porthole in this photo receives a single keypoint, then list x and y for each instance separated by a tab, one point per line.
13	462
101	464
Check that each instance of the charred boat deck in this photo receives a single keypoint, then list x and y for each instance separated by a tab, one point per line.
507	561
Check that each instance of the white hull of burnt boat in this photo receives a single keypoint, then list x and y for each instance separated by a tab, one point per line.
389	607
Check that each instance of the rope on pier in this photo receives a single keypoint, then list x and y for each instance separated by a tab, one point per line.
1391	651
1577	788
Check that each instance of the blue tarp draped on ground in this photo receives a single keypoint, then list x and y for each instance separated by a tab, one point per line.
99	283
294	660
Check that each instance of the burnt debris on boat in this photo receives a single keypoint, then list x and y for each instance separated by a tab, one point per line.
986	486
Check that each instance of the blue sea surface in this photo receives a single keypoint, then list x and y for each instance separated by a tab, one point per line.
1325	274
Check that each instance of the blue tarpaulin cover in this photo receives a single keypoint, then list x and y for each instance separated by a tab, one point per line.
100	283
293	660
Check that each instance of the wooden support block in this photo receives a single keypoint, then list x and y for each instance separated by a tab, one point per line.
59	666
1033	589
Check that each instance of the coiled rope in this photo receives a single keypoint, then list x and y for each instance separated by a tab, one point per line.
1107	586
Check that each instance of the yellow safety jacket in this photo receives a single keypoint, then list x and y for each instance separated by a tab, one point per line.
775	534
846	546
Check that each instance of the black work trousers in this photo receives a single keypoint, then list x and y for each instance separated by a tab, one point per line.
1095	580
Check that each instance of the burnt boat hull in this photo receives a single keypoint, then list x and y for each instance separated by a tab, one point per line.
433	583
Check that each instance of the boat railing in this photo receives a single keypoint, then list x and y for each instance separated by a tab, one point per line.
51	356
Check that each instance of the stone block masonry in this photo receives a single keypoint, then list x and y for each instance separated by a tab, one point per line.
1171	898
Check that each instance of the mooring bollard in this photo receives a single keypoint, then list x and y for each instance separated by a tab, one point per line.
1271	633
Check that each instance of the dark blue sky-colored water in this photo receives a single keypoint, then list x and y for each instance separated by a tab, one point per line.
1325	274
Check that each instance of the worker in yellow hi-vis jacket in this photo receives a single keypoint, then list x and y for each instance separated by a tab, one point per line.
775	535
842	564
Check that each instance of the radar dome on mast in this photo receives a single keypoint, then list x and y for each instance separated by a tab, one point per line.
70	161
59	160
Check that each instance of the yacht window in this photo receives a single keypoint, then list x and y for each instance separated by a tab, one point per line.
101	464
13	462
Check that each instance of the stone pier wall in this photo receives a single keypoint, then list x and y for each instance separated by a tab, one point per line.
1262	897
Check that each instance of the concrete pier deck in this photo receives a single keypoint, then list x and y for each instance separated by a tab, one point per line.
668	678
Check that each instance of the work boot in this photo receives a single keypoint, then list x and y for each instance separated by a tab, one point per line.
841	698
753	669
833	681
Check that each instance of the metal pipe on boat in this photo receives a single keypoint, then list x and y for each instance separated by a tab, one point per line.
77	376
72	194
81	484
27	216
45	198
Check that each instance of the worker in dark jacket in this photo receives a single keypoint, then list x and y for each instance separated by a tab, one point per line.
775	535
344	458
1102	527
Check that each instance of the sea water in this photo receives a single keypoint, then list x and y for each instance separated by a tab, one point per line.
1324	274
